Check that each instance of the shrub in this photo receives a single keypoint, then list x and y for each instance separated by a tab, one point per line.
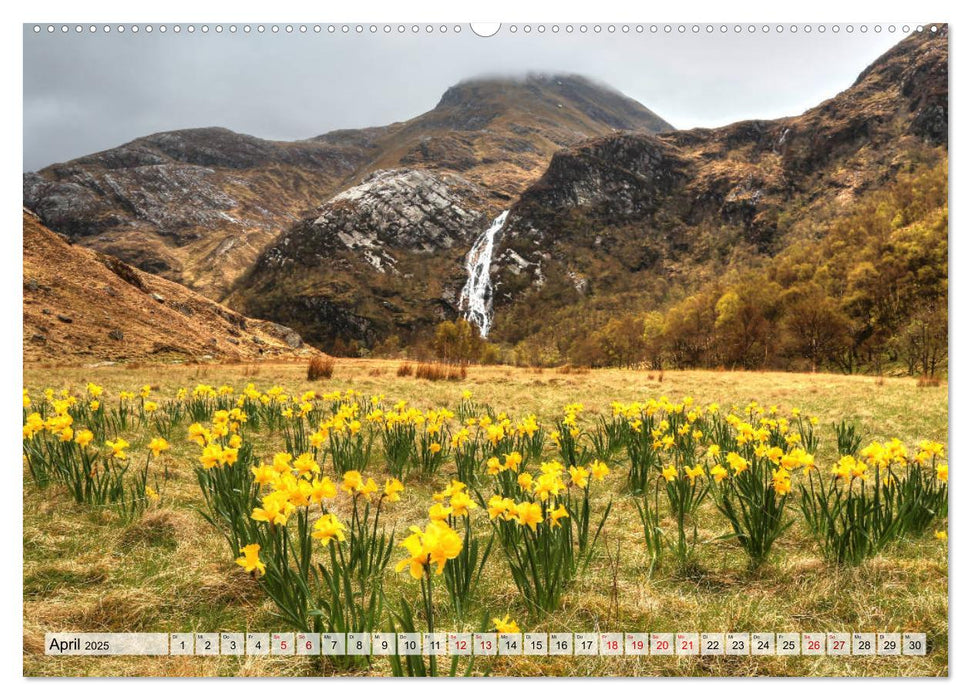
436	371
320	367
405	369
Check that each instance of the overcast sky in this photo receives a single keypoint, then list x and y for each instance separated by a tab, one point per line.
88	92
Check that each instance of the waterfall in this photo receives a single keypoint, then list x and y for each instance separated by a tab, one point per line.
476	297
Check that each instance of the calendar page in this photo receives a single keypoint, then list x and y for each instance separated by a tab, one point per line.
519	349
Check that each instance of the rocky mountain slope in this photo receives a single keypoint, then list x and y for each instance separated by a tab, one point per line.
82	305
644	217
198	206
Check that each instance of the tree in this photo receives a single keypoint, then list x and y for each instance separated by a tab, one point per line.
458	342
653	323
815	327
689	330
622	341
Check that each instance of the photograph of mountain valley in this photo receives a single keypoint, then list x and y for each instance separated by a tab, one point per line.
573	350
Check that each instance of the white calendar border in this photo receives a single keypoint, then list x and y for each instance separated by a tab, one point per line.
434	10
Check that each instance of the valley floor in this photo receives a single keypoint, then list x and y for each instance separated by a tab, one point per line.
171	571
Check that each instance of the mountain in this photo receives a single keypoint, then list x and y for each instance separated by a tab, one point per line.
629	220
635	220
198	206
80	304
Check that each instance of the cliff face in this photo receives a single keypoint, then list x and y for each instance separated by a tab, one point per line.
81	305
382	258
198	206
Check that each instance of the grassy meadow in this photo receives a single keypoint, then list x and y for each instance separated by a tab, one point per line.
170	570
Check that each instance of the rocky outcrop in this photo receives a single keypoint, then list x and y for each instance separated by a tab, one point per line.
379	258
195	206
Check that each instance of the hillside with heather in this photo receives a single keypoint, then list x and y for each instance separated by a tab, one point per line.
85	306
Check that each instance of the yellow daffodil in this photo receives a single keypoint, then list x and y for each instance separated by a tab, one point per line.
305	464
250	561
83	437
505	625
118	448
328	528
439	511
263	474
158	446
558	514
212	456
275	508
393	489
321	489
353	481
692	473
461	504
529	514
579	477
435	545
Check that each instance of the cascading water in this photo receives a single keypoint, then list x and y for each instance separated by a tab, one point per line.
476	297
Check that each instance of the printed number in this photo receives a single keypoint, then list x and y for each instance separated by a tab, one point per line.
411	645
637	644
738	645
612	645
309	645
789	645
837	644
283	644
864	645
208	645
914	644
765	645
814	645
687	645
460	645
232	645
511	644
712	644
889	645
487	645
561	645
182	644
662	646
259	645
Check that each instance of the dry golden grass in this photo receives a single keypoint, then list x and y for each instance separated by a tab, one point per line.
320	368
170	571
